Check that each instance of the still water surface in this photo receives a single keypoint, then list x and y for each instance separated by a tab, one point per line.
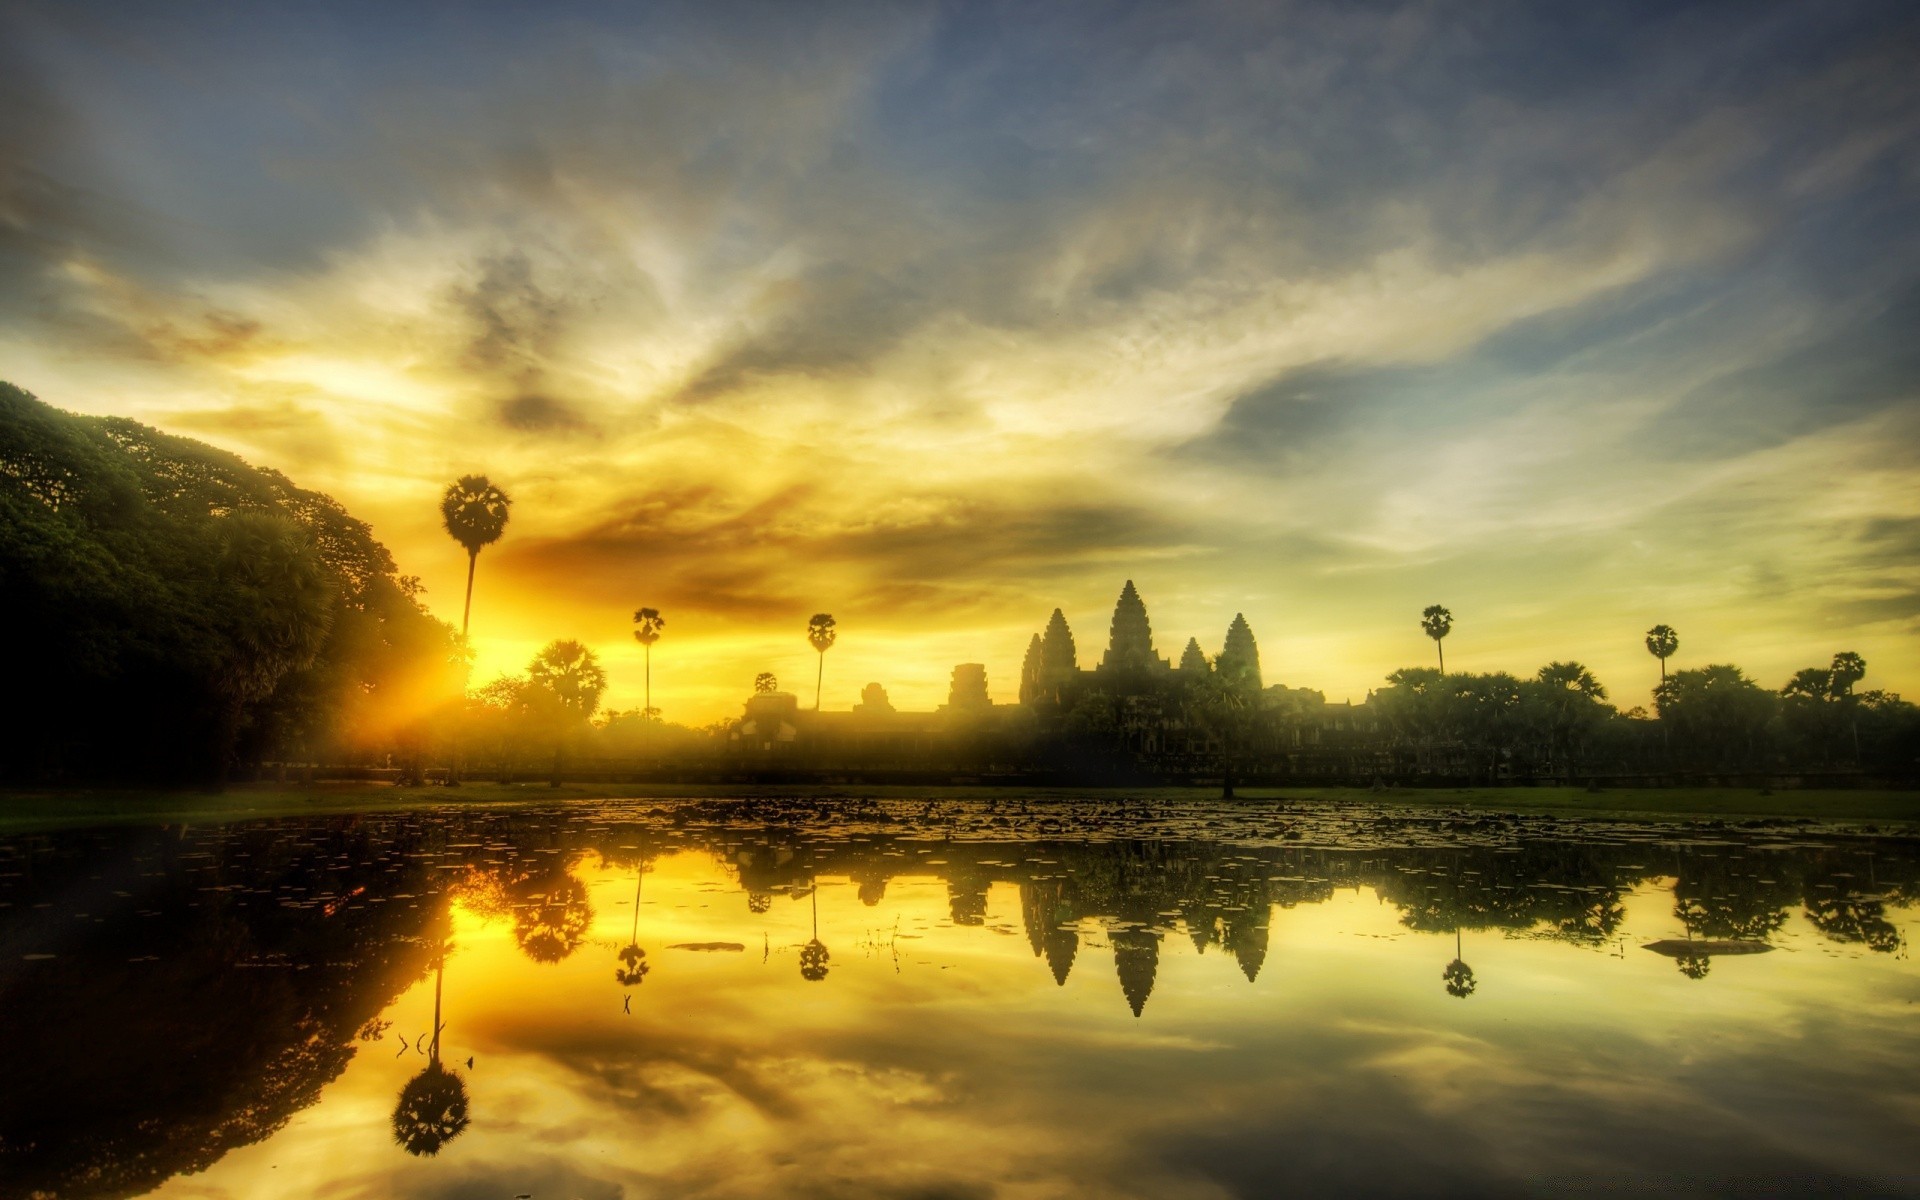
956	999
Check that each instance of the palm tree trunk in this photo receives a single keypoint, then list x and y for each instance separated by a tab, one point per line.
1443	655
649	712
439	973
466	612
818	675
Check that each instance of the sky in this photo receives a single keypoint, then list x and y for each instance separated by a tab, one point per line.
936	317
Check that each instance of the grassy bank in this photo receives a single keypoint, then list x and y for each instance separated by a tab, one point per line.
24	811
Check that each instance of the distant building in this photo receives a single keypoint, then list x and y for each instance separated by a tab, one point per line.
1133	707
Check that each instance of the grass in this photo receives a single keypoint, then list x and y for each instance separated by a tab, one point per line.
27	811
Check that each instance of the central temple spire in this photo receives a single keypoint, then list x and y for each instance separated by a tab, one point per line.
1130	647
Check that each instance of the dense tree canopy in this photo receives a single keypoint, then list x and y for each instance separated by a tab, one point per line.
189	609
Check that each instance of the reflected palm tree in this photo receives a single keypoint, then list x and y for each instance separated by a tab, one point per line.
552	926
813	955
432	1109
1458	975
633	960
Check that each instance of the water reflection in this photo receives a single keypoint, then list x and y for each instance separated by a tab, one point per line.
432	1109
247	974
1458	975
633	960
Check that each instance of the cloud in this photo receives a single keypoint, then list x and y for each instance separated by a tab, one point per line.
948	312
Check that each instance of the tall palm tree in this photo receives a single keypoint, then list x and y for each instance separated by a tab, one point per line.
820	635
1662	641
651	623
474	513
1438	623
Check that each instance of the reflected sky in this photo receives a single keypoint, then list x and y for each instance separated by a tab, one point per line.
899	1000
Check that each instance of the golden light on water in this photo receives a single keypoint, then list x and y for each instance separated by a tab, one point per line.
936	1051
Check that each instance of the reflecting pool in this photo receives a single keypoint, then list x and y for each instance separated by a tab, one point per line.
950	998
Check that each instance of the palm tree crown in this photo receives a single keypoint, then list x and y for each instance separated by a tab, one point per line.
1438	623
821	632
474	513
1848	669
650	624
569	673
1574	678
1662	641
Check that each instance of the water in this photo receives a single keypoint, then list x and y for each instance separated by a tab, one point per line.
956	999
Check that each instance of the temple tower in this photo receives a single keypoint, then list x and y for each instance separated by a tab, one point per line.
1130	645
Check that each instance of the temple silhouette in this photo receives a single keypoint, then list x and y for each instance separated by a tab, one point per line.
1130	714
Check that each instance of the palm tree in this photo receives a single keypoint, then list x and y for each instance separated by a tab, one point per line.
474	513
633	960
651	623
1457	974
813	955
820	635
1438	622
1573	677
1662	641
432	1109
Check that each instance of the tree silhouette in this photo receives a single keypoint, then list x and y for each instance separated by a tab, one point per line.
1662	641
550	926
813	955
1572	706
650	624
1848	669
274	603
820	635
1717	711
474	513
432	1109
1438	623
764	684
633	960
1457	974
1225	709
567	680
